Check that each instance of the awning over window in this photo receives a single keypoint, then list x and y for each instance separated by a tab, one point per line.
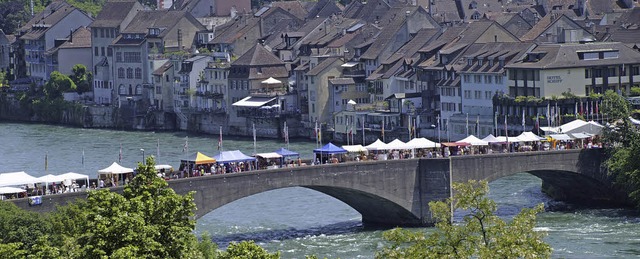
349	64
252	101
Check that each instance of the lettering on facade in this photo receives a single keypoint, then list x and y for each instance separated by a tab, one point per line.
554	79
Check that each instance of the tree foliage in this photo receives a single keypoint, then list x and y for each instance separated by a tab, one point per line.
481	233
617	110
149	220
58	83
82	78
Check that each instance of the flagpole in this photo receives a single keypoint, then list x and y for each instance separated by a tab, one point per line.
254	138
467	125
83	169
363	139
158	150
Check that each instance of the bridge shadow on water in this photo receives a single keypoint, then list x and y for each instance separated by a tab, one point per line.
265	236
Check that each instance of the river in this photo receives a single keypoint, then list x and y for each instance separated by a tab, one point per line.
299	221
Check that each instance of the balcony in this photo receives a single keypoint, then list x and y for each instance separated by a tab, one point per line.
210	95
34	47
34	60
266	113
353	73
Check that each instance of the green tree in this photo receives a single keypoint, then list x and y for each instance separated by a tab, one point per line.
82	78
617	110
3	80
481	234
148	220
58	83
247	249
19	228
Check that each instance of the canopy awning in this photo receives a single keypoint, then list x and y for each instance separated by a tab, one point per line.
491	139
473	140
455	144
115	168
269	155
528	136
163	167
50	179
377	145
232	157
581	135
9	190
510	139
349	64
330	149
422	143
397	144
285	152
198	159
561	137
253	101
355	148
16	178
271	81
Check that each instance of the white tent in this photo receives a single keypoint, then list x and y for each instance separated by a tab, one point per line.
355	148
269	155
561	137
511	139
271	81
9	190
49	179
422	143
528	136
163	167
73	176
580	135
491	139
16	178
473	140
115	168
576	126
377	145
634	121
397	144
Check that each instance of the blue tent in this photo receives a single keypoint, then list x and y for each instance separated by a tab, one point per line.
330	149
233	156
285	152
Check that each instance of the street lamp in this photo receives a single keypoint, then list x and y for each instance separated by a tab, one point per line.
142	149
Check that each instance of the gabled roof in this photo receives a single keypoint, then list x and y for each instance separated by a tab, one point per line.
234	29
257	56
113	13
159	19
323	65
162	69
81	38
323	8
293	7
546	23
50	16
566	56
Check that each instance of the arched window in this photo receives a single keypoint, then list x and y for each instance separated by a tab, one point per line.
129	73
120	72
138	89
138	73
122	90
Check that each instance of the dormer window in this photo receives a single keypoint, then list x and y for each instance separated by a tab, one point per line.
154	31
479	62
491	62
469	61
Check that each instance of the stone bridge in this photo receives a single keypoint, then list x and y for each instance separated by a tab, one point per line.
397	192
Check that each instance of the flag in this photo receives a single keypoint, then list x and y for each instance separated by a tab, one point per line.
581	108
505	127
185	147
548	115
382	123
83	156
46	161
409	128
350	135
596	107
363	136
158	149
478	125
220	139
575	110
120	154
537	120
